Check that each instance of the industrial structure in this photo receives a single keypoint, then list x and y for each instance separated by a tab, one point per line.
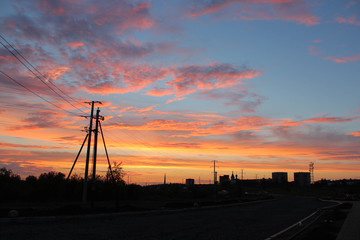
224	179
215	173
279	177
190	182
302	179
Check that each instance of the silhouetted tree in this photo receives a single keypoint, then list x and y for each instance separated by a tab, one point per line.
31	179
51	185
117	173
53	177
6	175
9	185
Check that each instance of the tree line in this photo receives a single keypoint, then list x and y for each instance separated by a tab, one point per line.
53	186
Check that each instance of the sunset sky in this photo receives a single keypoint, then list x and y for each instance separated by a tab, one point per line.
258	85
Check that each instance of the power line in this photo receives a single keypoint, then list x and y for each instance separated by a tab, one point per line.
37	76
28	89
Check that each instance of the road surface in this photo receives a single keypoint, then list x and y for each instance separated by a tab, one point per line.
250	222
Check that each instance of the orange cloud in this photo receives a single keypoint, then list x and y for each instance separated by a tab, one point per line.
125	109
56	72
328	120
12	145
141	110
355	134
204	127
174	99
75	44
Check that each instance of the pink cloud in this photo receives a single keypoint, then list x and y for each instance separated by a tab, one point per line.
289	10
344	59
54	7
190	78
42	119
296	11
120	79
204	8
350	20
238	96
314	51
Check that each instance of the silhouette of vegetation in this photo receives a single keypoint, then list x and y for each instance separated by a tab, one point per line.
9	183
53	189
116	174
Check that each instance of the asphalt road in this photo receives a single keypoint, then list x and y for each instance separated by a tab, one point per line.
247	222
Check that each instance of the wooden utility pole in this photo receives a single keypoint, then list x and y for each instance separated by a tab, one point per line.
97	129
95	143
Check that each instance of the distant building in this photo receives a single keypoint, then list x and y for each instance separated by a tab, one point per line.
224	179
302	178
279	177
190	182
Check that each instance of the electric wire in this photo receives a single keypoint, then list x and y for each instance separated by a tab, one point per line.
14	49
145	143
36	75
22	56
44	99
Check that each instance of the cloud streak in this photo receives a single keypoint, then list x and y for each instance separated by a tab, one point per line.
353	58
288	10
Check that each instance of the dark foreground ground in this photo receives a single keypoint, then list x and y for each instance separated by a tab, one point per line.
251	221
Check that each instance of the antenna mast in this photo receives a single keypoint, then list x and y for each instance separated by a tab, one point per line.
215	173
